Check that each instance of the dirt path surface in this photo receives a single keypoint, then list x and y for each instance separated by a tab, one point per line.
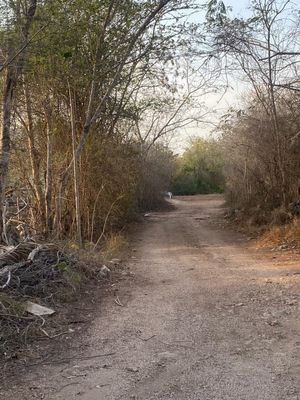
204	317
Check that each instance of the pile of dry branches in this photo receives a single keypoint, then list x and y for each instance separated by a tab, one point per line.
29	271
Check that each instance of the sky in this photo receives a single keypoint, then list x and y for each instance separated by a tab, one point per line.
218	103
239	7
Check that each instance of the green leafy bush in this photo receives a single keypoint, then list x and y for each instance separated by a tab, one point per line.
199	169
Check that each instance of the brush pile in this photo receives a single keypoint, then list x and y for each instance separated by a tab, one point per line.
30	273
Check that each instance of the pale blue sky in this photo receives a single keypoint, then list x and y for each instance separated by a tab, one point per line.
240	7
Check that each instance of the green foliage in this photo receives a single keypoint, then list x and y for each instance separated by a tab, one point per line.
74	277
70	273
199	169
62	266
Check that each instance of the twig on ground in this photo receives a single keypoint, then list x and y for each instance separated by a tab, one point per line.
146	340
15	316
53	336
117	301
76	376
7	282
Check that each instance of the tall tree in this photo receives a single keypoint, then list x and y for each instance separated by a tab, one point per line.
253	46
16	58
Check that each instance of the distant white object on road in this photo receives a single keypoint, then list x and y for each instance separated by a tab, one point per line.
170	195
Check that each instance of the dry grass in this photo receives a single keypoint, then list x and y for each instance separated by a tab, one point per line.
293	231
114	245
277	235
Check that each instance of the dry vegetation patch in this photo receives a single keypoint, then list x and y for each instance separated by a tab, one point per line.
282	236
47	276
44	275
61	277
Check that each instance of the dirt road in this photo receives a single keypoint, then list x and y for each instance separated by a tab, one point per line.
206	317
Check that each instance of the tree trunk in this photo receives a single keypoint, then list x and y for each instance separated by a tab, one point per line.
49	167
35	163
10	83
280	161
75	171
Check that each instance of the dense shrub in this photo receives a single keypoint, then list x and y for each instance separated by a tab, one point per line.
251	164
199	169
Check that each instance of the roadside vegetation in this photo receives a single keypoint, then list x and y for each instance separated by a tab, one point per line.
261	141
200	169
256	158
76	150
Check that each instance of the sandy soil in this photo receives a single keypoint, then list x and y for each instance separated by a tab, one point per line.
204	316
